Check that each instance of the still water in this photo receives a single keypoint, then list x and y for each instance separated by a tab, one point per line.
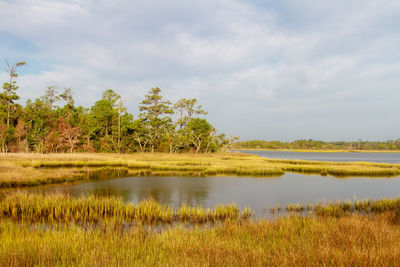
258	193
321	156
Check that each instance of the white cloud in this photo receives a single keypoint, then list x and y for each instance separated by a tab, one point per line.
255	68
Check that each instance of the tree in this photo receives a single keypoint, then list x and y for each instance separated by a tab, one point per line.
140	134
105	118
155	117
3	137
115	99
101	114
9	88
51	95
224	142
110	96
177	140
200	133
21	131
88	126
44	126
127	128
69	135
153	105
41	120
67	96
52	142
189	107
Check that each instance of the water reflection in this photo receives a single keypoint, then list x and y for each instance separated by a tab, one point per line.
168	190
97	174
258	193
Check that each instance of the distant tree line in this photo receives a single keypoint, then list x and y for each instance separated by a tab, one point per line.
53	123
320	145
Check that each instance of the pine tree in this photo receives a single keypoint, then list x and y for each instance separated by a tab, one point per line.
9	95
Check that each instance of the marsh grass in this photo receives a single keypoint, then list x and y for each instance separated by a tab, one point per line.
344	208
15	176
57	230
291	241
33	169
60	208
12	176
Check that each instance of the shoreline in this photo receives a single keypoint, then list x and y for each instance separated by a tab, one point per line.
318	151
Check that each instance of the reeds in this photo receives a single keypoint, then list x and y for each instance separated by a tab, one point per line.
338	209
64	209
291	241
58	230
219	213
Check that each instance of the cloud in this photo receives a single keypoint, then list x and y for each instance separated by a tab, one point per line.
274	70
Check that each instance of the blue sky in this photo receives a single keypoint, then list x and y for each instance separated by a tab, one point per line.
275	70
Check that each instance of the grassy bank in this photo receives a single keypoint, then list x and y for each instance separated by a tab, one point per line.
370	239
32	169
344	208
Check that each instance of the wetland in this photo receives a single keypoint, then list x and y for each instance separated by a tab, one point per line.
258	193
218	209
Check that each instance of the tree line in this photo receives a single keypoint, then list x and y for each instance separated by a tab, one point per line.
53	123
320	145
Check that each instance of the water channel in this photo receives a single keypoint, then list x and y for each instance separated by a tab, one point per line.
329	156
258	193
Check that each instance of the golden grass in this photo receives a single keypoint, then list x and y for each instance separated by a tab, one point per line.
37	230
343	208
34	169
17	176
293	241
59	208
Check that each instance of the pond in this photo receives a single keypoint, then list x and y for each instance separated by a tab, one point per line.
258	193
329	156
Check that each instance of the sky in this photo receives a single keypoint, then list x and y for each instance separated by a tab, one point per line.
263	69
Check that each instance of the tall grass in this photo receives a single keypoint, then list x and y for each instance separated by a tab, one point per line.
64	209
292	241
38	230
342	208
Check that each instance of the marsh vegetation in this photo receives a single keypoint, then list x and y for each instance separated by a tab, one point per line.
38	169
37	229
37	208
58	230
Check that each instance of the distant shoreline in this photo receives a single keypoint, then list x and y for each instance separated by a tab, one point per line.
318	151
